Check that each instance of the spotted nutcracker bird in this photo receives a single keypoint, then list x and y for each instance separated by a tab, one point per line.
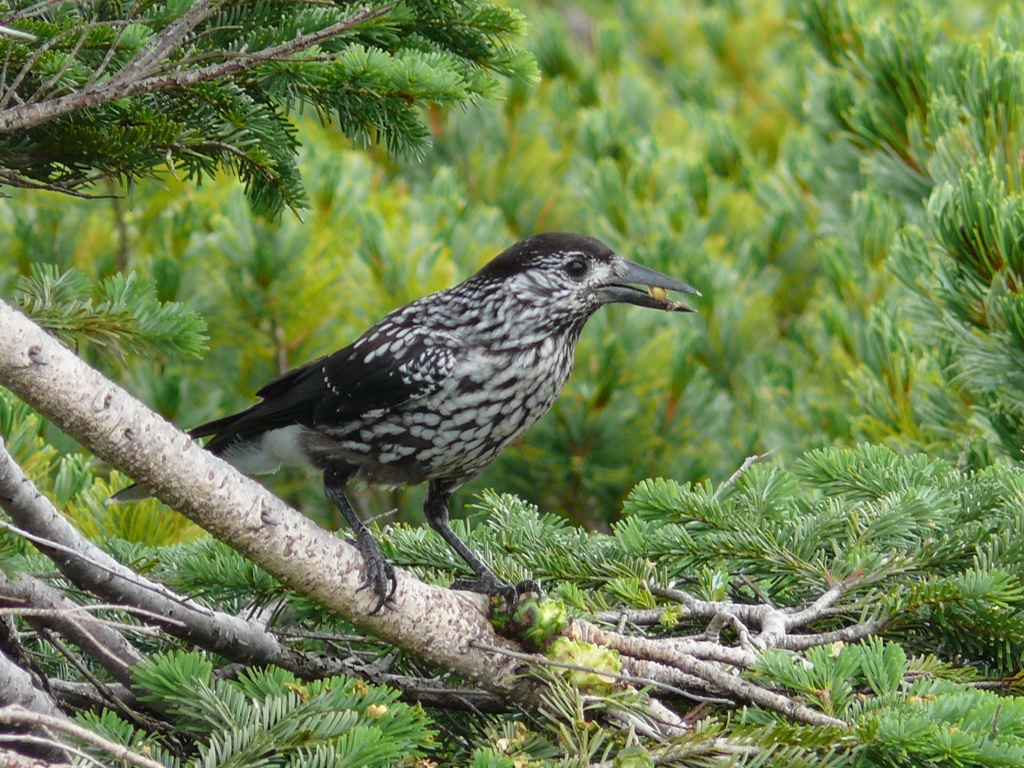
435	390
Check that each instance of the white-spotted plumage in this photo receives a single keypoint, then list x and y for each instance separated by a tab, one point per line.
436	389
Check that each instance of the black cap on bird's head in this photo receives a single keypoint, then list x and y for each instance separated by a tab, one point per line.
568	266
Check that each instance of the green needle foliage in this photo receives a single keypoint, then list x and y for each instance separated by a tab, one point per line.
96	91
119	316
841	180
269	718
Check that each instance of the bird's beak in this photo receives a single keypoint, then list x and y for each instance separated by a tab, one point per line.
645	288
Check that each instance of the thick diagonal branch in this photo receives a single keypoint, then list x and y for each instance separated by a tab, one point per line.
437	625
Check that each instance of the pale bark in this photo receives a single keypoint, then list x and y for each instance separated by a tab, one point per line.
17	688
439	626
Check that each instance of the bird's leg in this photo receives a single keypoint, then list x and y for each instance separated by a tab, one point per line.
436	509
378	573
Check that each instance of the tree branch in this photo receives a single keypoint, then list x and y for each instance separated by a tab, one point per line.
137	76
16	687
437	625
715	676
104	644
774	623
10	759
17	179
19	716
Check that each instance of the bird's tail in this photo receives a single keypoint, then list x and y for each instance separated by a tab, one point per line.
133	492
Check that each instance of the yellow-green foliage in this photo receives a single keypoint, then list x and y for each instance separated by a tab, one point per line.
843	183
587	664
716	142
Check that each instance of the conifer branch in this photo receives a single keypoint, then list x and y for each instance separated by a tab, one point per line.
22	718
701	661
138	76
50	608
242	60
15	179
746	465
169	38
434	624
715	678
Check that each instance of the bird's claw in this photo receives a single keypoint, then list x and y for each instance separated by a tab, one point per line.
378	573
488	584
529	586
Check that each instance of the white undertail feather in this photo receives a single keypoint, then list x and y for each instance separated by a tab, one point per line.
276	448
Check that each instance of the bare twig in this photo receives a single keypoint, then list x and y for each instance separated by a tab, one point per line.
68	613
817	609
69	58
79	548
109	698
759	593
109	55
747	464
21	717
30	65
30	11
9	32
52	609
715	677
169	38
85	696
17	179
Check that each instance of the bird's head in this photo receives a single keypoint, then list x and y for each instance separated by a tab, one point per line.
567	277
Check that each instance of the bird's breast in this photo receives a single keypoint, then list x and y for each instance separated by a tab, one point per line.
495	397
486	402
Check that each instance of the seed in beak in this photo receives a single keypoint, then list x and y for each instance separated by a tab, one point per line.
658	293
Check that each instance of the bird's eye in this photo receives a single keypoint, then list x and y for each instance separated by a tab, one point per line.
576	269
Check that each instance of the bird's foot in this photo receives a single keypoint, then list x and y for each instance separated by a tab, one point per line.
488	584
378	573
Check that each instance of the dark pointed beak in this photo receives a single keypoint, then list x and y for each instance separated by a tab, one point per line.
646	288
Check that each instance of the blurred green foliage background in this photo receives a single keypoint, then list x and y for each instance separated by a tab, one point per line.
761	151
843	181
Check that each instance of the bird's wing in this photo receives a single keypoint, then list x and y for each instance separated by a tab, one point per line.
387	366
383	370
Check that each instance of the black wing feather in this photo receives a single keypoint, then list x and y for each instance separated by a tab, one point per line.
333	389
355	385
